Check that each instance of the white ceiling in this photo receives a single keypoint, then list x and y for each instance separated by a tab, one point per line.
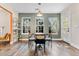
45	7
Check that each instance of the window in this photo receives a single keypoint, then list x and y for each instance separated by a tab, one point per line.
39	24
53	24
26	24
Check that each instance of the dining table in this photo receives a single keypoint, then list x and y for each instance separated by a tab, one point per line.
47	38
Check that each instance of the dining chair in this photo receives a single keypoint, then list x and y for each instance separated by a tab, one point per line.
39	42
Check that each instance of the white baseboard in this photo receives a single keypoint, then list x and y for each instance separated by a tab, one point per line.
74	45
12	42
24	39
56	39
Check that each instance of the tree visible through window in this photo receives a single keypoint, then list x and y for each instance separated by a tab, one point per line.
39	24
26	24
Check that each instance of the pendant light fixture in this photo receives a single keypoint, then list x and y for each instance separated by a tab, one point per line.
39	13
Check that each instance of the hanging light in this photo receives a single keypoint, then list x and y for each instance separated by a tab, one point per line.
39	13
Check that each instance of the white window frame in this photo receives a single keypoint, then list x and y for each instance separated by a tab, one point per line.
39	25
57	24
23	25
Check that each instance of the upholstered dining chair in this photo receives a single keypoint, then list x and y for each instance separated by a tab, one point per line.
39	40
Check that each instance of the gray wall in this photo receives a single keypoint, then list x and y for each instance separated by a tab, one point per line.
46	16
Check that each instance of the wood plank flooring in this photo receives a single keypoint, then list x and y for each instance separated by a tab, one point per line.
21	49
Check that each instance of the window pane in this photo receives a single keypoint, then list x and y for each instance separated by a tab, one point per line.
39	24
23	29
26	24
53	24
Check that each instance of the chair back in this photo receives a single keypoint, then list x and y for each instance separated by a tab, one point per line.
40	38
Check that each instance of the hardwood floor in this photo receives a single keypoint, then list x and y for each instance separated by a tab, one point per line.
21	49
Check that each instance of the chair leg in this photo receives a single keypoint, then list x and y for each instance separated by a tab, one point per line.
44	48
28	44
51	44
35	49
